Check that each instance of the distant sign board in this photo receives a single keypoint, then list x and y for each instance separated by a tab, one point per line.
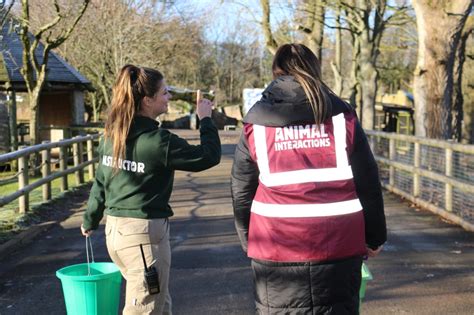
250	97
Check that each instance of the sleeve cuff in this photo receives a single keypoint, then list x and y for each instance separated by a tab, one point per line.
87	224
206	121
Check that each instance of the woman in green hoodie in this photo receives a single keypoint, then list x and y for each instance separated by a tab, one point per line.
135	178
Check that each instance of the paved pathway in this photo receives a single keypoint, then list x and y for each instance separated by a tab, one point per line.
427	267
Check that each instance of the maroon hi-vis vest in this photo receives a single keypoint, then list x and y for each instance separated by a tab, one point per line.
305	207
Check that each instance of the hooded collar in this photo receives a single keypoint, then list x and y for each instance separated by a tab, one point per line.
141	124
284	103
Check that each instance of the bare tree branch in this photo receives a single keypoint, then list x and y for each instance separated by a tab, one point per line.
270	41
5	10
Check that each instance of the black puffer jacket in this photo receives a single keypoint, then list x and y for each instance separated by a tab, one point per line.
326	287
307	288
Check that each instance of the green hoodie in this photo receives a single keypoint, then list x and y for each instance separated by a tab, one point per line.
142	186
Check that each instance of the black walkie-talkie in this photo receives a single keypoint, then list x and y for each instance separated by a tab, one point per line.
151	276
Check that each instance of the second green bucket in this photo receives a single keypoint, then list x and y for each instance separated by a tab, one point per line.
94	294
366	276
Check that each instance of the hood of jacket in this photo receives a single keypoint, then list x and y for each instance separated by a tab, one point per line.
284	103
141	124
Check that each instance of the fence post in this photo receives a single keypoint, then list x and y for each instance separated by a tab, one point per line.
448	198
23	181
391	154
80	148
63	167
417	163
90	157
46	171
77	152
75	155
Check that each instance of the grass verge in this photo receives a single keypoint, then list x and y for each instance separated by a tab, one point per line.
12	222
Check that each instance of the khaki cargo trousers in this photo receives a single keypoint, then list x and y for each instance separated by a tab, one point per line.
124	236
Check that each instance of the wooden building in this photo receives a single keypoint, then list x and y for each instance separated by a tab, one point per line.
394	113
62	99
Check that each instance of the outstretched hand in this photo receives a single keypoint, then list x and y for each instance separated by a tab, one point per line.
204	108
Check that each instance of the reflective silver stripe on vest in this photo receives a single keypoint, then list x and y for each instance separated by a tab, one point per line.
341	172
306	210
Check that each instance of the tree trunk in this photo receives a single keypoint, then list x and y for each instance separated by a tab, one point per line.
358	100
461	132
368	82
34	98
315	26
338	81
34	118
12	121
105	94
270	41
369	37
439	25
458	100
231	83
95	114
355	96
468	130
336	65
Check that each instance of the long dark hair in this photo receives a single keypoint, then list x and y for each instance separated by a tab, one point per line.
300	62
132	85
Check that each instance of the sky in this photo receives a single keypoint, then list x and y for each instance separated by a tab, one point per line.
227	17
221	16
224	16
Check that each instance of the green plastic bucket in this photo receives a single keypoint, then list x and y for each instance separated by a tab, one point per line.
97	293
366	276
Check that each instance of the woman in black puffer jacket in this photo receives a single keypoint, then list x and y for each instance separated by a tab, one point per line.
306	193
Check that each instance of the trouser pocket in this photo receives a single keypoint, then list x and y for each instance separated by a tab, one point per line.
138	301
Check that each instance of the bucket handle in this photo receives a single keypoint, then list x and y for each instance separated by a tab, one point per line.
89	244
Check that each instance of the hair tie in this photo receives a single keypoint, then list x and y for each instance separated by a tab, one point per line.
133	75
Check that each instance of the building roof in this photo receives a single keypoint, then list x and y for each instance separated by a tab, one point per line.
11	49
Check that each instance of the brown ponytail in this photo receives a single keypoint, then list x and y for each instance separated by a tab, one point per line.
132	85
299	61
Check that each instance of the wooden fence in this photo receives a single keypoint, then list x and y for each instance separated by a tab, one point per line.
74	145
434	174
